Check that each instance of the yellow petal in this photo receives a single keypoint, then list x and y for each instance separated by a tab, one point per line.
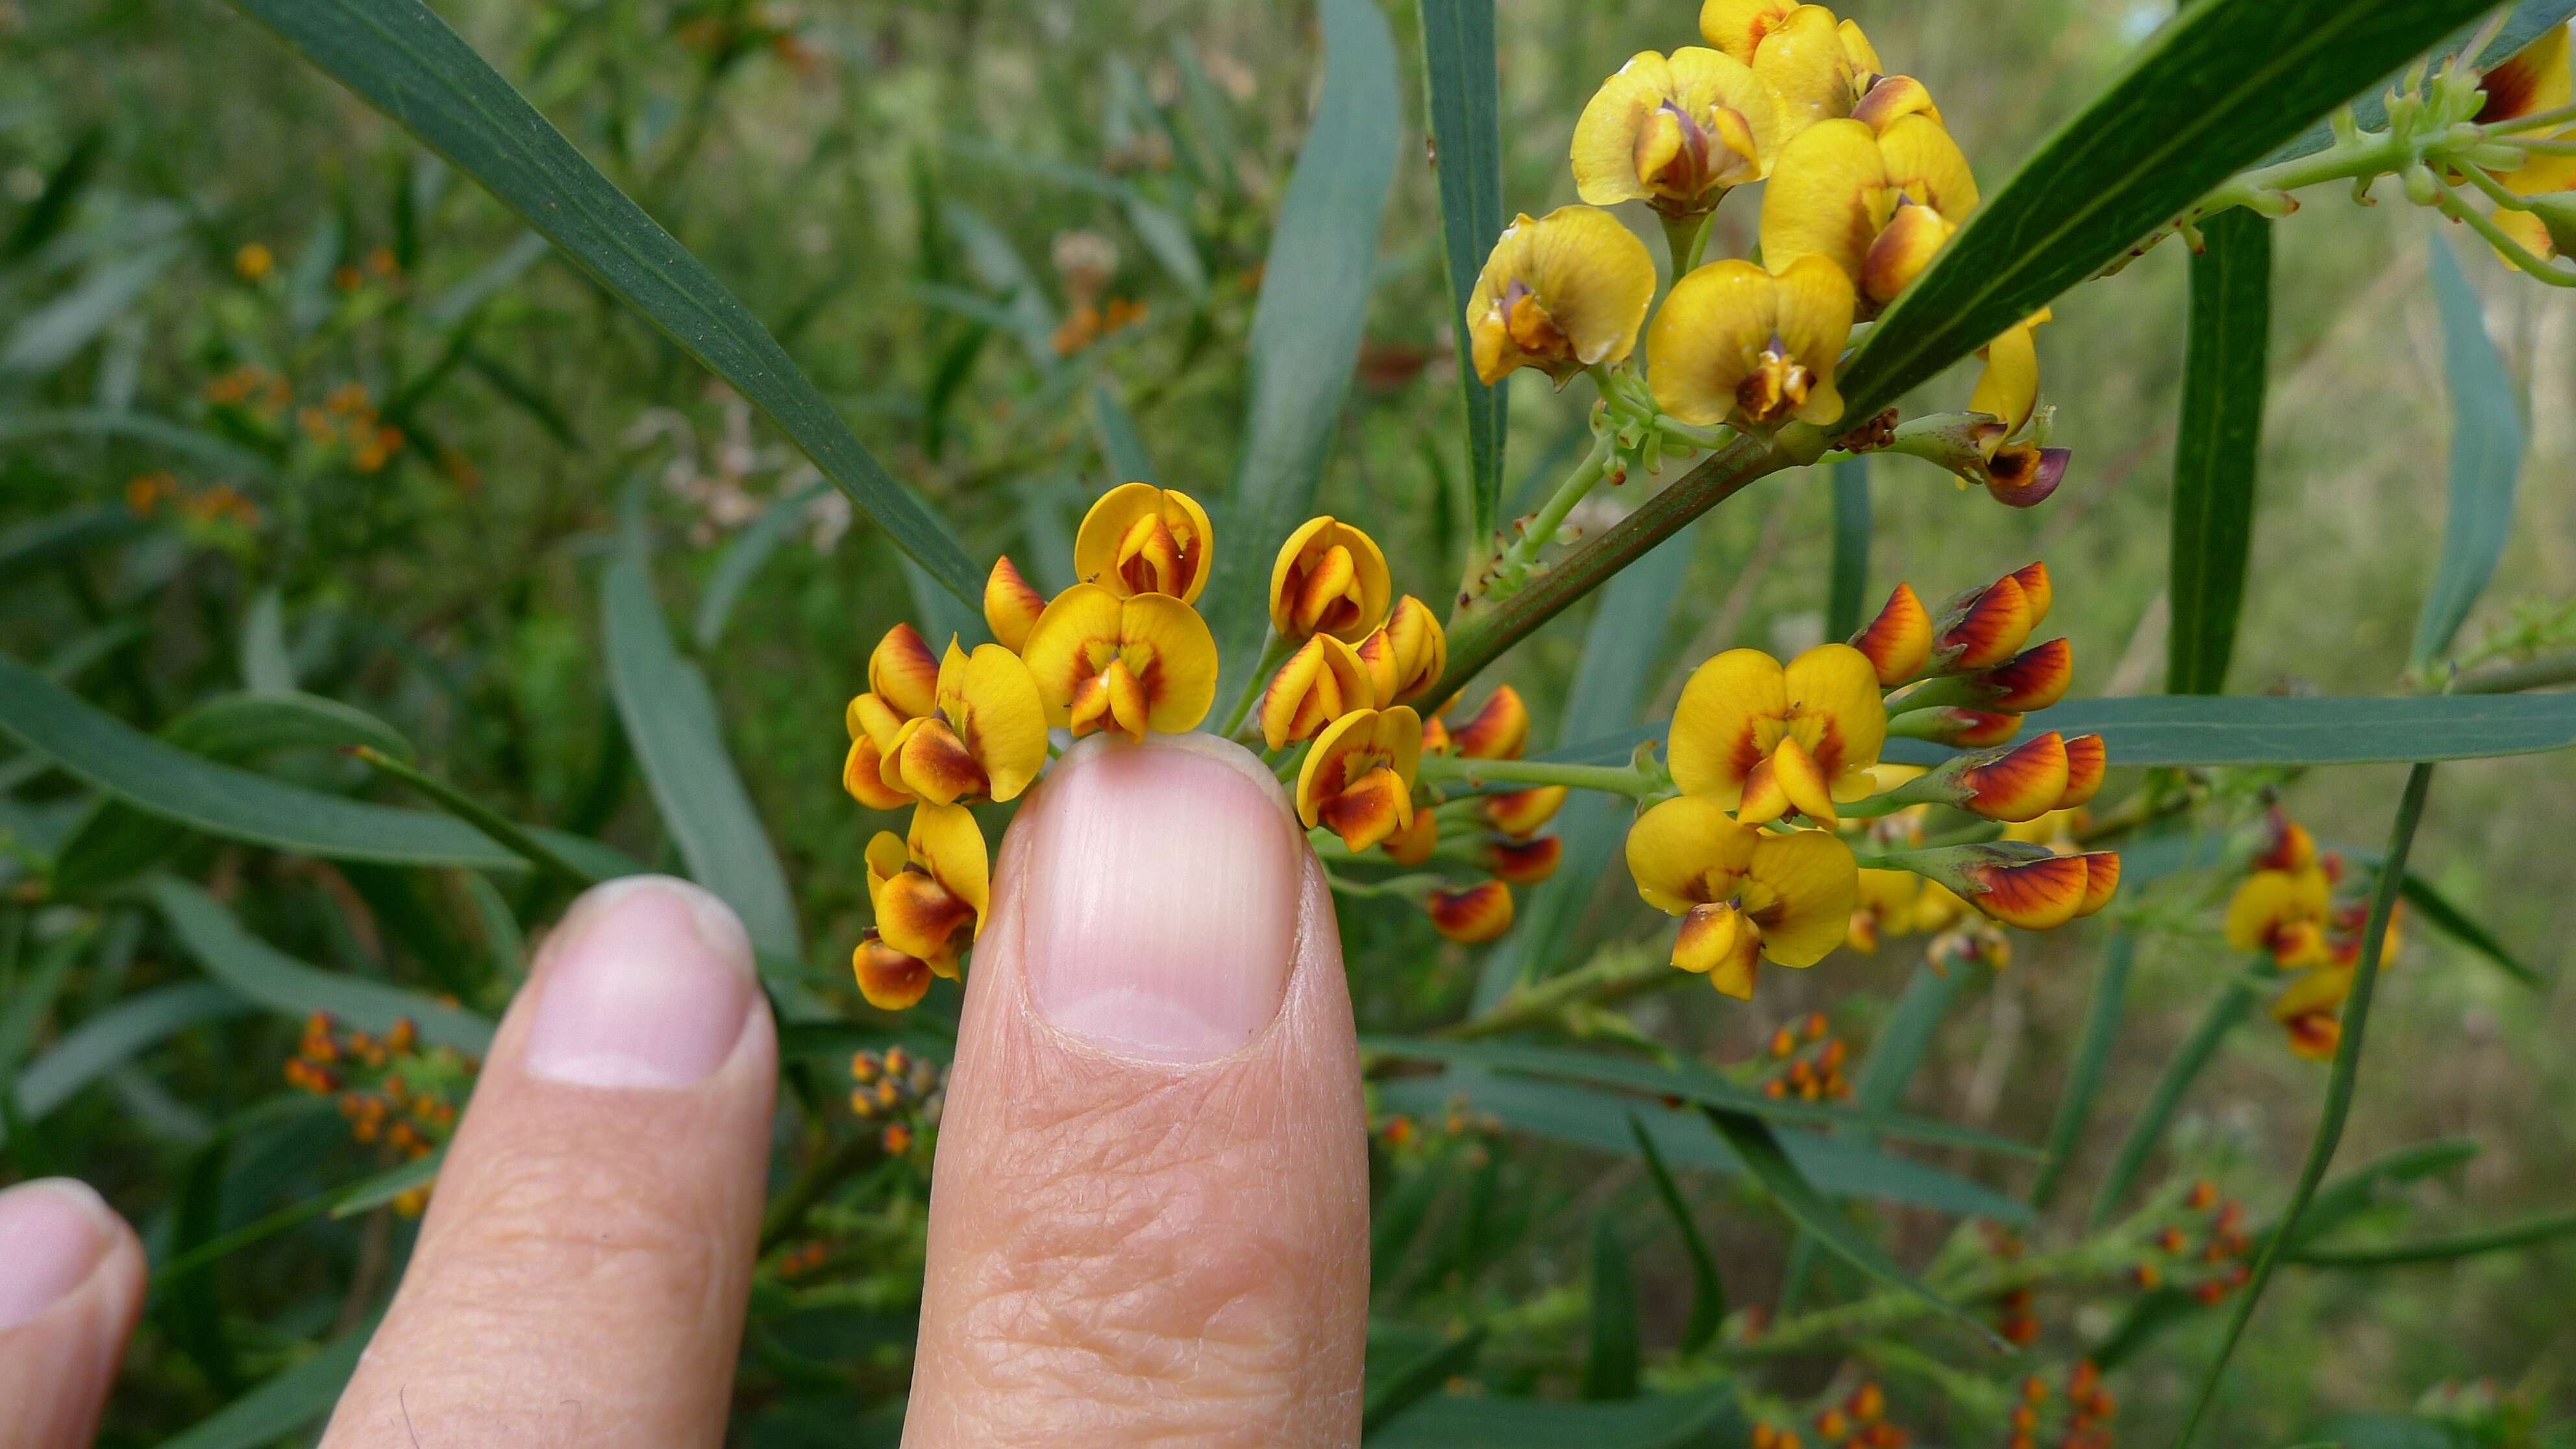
1819	199
1071	641
1714	744
1814	881
946	841
903	672
1173	655
1406	655
1812	313
2268	900
1803	63
1836	685
1924	163
1351	599
1589	278
1687	851
1011	607
1707	339
1605	136
1857	49
885	859
2532	80
991	700
1738	27
1117	517
2009	387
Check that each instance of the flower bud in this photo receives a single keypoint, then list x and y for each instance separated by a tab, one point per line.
1011	607
1472	916
1407	654
1898	643
1498	730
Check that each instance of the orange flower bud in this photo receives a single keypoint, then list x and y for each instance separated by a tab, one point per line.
2088	759
1011	607
1898	643
904	673
2022	784
1413	844
1406	655
1965	728
1477	914
1990	627
2101	880
1522	863
1497	731
2291	847
1320	683
2036	895
888	979
2034	679
1520	813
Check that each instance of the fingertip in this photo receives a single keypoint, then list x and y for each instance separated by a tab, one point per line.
71	1286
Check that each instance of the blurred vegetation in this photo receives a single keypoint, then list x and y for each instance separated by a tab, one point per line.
337	422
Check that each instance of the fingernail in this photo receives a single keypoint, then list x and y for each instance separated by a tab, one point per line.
52	1233
649	986
1161	910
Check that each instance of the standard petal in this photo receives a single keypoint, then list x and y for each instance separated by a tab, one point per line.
903	672
1708	337
1179	674
1713	743
1836	684
2009	387
1802	61
1818	200
997	711
1605	137
946	841
1816	882
1922	161
1068	644
1685	852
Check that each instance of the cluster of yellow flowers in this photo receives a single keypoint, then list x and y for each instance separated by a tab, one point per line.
2288	908
1864	186
1772	764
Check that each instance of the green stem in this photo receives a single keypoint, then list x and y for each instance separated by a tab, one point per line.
1613	977
1684	237
1512	569
2506	247
2339	1087
2509	678
1613	779
1274	652
787	1211
1482	629
504	832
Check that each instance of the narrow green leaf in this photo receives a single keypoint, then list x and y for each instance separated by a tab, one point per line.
162	780
670	716
1462	87
2223	84
266	665
1024	312
1708	1289
500	926
240	727
2486	459
2339	1087
284	1404
31	1000
2218	447
2442	1249
399	57
2370	107
743	557
116	1036
1610	1361
368	1194
1120	446
2233	1005
1621	646
1690	1084
1847	585
214	453
1658	1421
1414	1380
52	207
2445	916
1592	1118
2091	1064
262	973
348	1200
1764	1158
482	817
25	548
2272	730
1306	326
56	332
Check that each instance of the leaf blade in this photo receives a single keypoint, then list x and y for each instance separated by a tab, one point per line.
1708	1288
1462	89
2216	450
2485	460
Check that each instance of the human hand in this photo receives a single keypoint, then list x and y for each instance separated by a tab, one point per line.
1148	1217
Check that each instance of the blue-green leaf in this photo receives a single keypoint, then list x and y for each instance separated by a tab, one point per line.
2444	915
2486	460
670	718
1847	583
116	1036
285	1403
260	972
399	57
2226	82
1306	327
1708	1290
56	332
1462	87
2218	447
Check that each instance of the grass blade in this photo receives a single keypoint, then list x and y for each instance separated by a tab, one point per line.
2226	82
1610	1360
399	57
2218	447
2486	460
1418	1380
1708	1289
2445	916
2181	1070
1463	89
2092	1062
670	715
116	1036
1847	586
481	816
2339	1086
1306	327
1759	1149
2440	1250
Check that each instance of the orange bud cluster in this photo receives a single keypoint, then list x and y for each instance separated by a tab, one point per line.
902	1092
803	1258
1514	854
393	1092
1806	1061
250	387
1859	1421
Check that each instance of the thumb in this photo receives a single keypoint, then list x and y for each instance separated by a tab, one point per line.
1149	1214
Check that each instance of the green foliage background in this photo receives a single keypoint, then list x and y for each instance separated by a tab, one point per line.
882	187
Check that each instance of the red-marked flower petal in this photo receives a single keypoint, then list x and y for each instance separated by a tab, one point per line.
1413	844
888	979
1477	914
919	917
1899	641
1521	862
1011	607
934	764
862	776
2101	880
1992	628
2036	895
2033	679
2087	761
1970	728
1368	810
904	673
2024	784
1498	729
1520	813
2021	475
2033	578
1718	942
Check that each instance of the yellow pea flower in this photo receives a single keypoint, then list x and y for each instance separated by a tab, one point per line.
984	739
888	979
1744	895
903	685
1762	740
1129	665
1011	606
1472	916
1676	133
2282	912
872	724
1498	730
1407	654
904	673
1559	294
2008	388
1140	539
1879	99
932	887
1329	578
2310	1009
1357	780
1737	344
2534	79
1899	903
1878	205
1320	683
1798	51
